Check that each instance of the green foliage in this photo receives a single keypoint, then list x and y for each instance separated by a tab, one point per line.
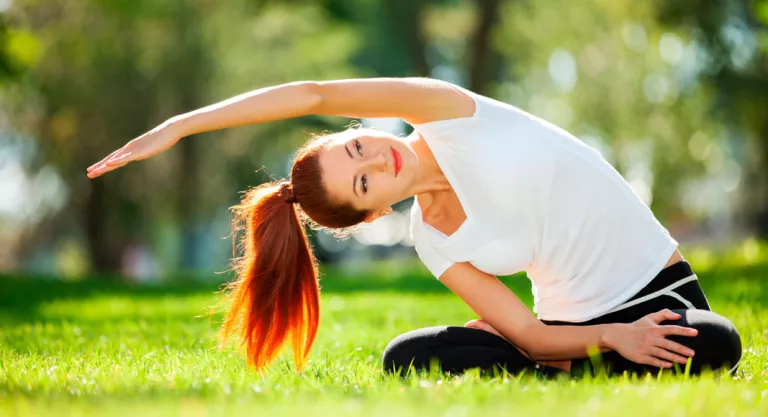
645	82
95	347
112	70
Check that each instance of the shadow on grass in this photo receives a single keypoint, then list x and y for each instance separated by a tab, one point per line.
22	296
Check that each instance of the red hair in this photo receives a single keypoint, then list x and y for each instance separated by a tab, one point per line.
276	293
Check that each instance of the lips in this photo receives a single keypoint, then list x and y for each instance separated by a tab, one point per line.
398	161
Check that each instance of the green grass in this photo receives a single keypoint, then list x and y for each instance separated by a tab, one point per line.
96	348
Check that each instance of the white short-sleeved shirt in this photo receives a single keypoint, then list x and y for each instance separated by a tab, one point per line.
539	200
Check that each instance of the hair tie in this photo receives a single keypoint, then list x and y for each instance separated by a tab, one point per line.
286	192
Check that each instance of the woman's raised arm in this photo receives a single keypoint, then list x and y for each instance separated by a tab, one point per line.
416	100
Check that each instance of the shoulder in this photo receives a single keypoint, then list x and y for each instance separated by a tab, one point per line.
430	256
451	101
466	107
481	112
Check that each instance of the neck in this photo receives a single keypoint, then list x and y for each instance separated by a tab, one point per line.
430	177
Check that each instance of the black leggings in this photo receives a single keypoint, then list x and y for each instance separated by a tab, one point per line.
456	349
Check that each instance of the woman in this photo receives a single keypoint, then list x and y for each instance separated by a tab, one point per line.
497	191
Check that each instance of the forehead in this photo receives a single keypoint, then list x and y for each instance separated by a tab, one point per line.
338	168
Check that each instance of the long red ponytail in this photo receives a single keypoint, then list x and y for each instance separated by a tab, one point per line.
276	293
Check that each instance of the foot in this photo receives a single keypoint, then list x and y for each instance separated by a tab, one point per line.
481	325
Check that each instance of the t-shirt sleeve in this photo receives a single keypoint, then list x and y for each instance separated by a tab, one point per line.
435	263
429	256
440	127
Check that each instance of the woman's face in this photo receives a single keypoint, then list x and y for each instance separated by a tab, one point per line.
372	170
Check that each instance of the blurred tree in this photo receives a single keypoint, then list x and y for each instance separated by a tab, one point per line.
482	52
188	69
93	94
644	82
112	70
407	37
733	36
254	46
11	59
609	73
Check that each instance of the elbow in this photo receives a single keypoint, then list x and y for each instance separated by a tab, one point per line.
532	350
538	354
534	345
313	90
308	94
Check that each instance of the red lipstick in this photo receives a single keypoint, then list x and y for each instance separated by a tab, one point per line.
397	159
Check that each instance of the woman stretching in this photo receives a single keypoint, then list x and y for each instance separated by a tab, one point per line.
498	191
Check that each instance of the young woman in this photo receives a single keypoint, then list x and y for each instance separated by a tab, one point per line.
498	191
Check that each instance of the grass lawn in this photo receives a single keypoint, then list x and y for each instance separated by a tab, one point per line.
96	348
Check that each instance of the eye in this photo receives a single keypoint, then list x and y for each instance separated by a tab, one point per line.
364	183
359	147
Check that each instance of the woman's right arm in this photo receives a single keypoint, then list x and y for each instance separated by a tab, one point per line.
642	341
415	100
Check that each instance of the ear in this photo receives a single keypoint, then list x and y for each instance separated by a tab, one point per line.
376	214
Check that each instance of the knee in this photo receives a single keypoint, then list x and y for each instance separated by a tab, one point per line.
409	349
394	355
717	344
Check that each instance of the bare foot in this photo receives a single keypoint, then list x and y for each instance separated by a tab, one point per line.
481	325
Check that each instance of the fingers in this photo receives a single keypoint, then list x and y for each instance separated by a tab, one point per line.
104	168
119	159
669	356
116	155
97	164
654	361
672	330
675	347
96	172
115	160
663	315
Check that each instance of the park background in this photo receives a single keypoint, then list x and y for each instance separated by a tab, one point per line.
672	93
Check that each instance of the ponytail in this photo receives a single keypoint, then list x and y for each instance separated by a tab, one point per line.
276	292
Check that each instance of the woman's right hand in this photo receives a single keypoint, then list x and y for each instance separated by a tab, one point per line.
644	341
151	143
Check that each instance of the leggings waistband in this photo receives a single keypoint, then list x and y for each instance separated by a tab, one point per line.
664	283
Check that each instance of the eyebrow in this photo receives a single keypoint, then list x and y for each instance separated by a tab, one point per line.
354	180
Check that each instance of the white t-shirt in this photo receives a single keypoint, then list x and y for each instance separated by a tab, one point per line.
539	200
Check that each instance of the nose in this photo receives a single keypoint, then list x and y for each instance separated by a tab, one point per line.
376	162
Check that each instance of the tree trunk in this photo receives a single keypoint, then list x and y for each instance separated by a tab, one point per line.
188	198
405	22
189	87
481	53
104	260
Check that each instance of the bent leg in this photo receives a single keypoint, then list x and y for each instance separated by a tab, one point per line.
456	349
717	346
